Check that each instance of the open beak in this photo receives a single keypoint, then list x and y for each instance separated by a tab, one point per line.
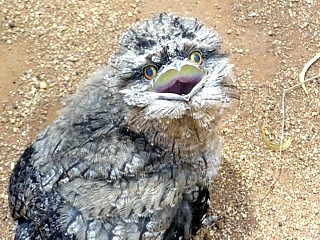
181	82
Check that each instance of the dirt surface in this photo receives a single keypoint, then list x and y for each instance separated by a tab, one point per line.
46	49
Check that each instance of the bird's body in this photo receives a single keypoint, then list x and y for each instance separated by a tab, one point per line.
134	151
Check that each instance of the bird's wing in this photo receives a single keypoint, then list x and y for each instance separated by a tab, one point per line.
101	185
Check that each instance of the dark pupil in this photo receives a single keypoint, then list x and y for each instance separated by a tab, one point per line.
196	58
149	72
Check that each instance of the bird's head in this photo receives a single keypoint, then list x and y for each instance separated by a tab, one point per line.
175	80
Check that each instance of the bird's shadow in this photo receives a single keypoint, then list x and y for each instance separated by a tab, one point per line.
229	201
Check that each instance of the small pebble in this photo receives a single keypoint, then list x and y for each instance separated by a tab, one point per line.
4	120
11	24
42	85
270	33
12	165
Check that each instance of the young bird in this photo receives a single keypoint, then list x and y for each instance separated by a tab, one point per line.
132	154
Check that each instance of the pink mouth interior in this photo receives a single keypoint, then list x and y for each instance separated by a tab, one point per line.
181	86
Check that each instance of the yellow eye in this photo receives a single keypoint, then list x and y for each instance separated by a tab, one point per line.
196	57
150	72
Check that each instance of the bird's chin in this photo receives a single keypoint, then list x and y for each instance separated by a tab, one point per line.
181	84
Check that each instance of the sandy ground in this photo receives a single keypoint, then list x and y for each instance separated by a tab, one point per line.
46	49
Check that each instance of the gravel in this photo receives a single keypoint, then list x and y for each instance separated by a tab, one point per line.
48	48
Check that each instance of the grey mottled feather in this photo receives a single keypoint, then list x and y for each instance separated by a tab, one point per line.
120	162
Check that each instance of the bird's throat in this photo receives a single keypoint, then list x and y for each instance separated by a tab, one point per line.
184	136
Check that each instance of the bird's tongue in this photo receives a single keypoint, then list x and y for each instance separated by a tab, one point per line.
179	82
